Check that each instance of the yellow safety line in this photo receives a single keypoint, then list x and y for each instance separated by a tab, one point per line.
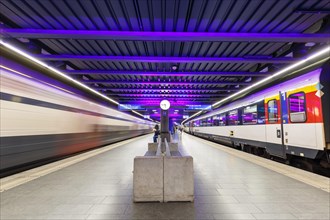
12	181
309	178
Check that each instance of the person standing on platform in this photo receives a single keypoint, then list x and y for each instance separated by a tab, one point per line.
156	133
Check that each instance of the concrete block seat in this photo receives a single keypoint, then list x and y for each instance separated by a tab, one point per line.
163	176
178	175
148	179
148	175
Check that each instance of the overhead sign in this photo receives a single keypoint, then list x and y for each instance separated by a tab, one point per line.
198	107
164	104
127	107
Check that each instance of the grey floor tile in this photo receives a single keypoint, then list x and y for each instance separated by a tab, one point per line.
33	200
274	216
231	192
203	216
106	217
228	208
71	209
313	216
233	216
264	199
232	185
82	200
262	191
177	211
108	209
312	207
283	208
206	192
117	200
23	217
264	186
26	209
67	217
324	198
215	199
207	186
56	192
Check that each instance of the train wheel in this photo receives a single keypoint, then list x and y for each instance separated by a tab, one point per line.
302	163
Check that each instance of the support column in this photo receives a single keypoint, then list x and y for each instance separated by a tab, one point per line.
164	126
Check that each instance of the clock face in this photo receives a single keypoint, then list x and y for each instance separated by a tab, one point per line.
165	104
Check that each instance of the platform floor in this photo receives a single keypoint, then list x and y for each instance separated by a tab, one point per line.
226	187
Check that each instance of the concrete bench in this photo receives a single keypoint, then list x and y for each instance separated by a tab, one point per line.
148	178
163	175
154	149
178	176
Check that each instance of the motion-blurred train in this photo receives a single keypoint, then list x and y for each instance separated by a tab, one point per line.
289	120
40	122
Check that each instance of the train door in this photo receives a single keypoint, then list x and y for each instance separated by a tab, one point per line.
275	108
284	119
300	128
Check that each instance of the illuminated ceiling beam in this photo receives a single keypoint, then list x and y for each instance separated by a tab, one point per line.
161	59
165	95
170	98
167	83
165	36
155	102
155	73
184	90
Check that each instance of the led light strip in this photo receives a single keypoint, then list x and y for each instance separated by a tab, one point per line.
24	54
313	56
43	82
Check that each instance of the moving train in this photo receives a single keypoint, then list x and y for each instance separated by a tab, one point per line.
41	122
289	120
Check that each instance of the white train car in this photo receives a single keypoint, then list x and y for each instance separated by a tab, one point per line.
287	120
40	121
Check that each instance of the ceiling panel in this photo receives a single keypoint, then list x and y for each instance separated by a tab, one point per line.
170	16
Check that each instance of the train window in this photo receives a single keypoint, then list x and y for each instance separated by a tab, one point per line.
233	117
209	121
197	123
216	120
272	111
250	115
203	122
222	119
297	107
261	112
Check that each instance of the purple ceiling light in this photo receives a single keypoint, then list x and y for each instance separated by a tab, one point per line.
166	36
183	90
165	82
155	102
141	98
155	73
161	59
176	95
